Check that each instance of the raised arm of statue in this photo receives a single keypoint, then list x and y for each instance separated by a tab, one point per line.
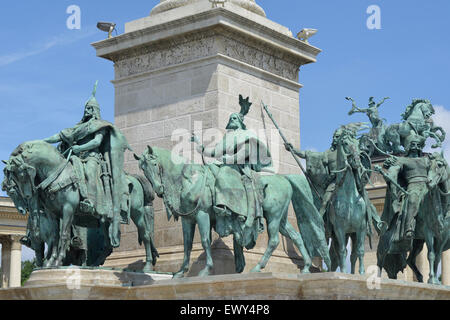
355	108
381	102
54	139
297	152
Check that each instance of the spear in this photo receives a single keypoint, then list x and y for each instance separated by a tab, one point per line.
291	151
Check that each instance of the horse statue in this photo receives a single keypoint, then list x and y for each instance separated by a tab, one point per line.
41	230
348	215
191	187
417	120
432	227
433	230
37	163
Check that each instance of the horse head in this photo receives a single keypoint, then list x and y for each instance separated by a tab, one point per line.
11	189
419	106
348	146
150	163
439	170
23	175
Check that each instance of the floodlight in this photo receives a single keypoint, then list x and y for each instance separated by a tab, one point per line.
107	27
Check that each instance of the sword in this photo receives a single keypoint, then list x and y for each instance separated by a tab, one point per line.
291	151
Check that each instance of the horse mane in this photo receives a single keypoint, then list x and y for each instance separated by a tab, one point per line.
413	105
168	156
27	148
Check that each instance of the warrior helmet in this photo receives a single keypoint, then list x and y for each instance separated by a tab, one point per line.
92	102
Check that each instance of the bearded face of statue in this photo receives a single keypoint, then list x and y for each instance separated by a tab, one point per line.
235	122
90	112
415	147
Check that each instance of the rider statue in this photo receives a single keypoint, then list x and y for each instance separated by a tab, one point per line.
407	178
377	132
371	112
242	154
322	169
98	155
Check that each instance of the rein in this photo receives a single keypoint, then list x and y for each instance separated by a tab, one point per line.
174	210
54	175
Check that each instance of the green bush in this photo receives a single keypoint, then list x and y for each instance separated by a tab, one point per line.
27	269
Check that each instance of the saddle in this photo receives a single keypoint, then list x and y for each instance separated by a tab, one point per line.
90	207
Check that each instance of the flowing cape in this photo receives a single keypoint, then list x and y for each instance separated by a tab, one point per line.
113	147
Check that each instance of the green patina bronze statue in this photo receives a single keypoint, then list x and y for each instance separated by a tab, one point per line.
226	197
383	140
378	130
243	155
88	189
340	175
98	150
416	209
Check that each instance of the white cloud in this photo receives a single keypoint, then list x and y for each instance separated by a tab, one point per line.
63	39
441	119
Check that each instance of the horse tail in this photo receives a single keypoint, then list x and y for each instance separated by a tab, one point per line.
309	221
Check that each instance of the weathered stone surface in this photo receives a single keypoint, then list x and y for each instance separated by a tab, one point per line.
92	277
260	286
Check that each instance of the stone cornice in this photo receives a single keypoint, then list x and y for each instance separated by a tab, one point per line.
305	53
8	210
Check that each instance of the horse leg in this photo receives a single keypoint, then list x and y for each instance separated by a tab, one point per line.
288	231
64	240
40	252
333	255
273	228
360	238
143	227
411	261
353	255
432	279
188	239
204	226
239	259
341	247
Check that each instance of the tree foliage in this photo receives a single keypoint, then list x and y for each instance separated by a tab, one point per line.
27	269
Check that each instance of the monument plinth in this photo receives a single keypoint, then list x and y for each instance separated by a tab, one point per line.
256	286
187	63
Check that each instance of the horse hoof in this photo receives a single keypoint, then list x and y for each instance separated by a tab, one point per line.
178	275
306	270
204	273
434	281
147	268
256	269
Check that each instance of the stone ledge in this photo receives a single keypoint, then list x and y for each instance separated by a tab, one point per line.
260	286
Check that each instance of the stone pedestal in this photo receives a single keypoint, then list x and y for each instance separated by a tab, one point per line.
446	268
181	70
261	286
75	277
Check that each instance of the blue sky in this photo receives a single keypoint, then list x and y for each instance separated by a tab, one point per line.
47	71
